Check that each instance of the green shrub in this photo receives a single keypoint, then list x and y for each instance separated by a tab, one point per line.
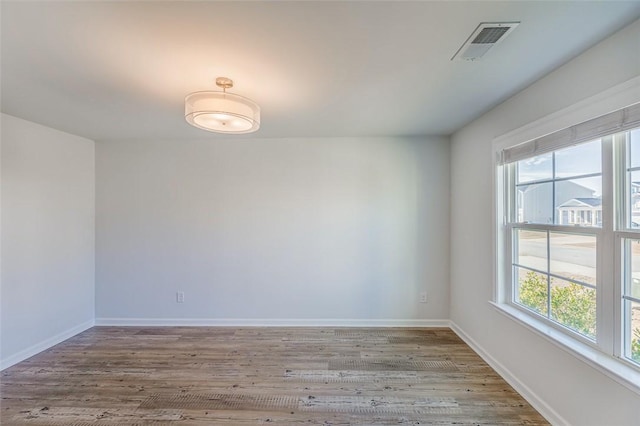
635	345
533	292
572	305
575	306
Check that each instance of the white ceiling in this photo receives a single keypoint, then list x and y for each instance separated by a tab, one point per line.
120	70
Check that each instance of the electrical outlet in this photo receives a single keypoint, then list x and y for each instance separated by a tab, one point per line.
180	297
423	297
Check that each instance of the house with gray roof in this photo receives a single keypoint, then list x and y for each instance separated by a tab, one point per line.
584	211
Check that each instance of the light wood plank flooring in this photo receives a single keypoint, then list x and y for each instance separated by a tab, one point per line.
250	376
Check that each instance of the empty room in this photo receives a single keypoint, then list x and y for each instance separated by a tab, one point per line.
320	212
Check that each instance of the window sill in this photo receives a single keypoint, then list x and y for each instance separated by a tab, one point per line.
612	367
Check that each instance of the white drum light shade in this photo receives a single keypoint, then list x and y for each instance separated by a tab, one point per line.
222	112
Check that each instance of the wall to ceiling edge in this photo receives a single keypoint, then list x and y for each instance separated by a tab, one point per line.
564	388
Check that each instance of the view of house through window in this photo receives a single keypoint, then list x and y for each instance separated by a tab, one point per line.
562	187
556	229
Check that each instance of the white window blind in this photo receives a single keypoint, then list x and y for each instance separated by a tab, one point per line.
614	122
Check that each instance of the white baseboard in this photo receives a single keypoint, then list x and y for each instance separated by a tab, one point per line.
44	345
536	402
258	322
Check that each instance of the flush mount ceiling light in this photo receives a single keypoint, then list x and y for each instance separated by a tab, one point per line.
222	112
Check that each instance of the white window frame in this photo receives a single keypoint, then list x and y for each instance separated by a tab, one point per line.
605	353
604	265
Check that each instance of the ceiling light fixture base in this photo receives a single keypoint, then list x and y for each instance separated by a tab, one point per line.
224	83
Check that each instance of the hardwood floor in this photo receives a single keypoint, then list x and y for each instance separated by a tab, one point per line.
249	376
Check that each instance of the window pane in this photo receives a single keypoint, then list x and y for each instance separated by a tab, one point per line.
634	148
531	249
535	203
578	160
536	168
573	256
531	290
632	287
574	306
634	199
632	308
579	202
632	330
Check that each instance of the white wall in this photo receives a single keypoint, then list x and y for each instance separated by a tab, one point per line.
255	231
576	392
48	237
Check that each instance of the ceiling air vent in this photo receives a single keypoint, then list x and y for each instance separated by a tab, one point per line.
487	35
